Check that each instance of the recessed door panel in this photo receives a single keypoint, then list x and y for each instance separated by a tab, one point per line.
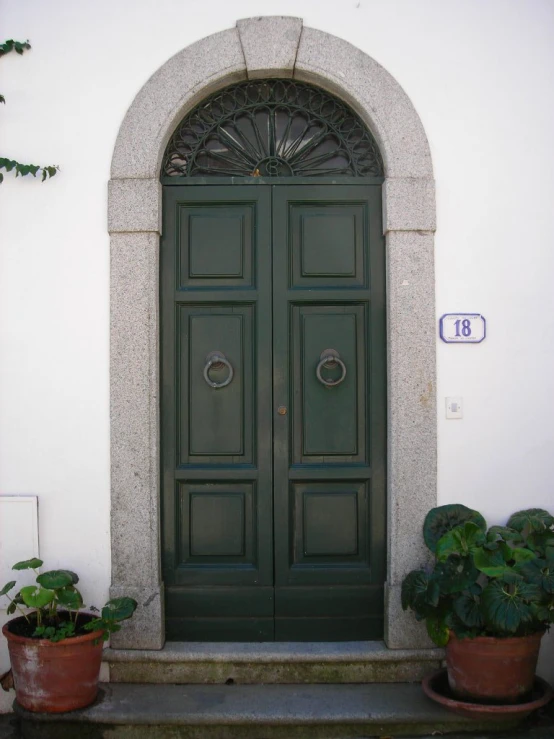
329	421
216	242
330	525
217	528
326	244
216	424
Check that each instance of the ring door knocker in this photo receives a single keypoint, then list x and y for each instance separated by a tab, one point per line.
328	359
217	360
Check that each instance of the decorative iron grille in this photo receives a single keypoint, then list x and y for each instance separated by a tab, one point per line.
272	128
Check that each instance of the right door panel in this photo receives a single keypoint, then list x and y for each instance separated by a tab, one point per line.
329	372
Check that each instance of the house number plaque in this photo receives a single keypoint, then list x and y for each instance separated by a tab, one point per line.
462	328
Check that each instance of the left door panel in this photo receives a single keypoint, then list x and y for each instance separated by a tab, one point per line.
217	441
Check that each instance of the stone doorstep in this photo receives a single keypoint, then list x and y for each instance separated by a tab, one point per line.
253	712
275	662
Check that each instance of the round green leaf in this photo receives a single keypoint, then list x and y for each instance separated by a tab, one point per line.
531	520
414	590
7	587
443	519
519	554
437	630
70	598
54	579
541	543
28	564
505	607
468	610
539	572
490	563
34	597
455	574
461	540
504	533
118	609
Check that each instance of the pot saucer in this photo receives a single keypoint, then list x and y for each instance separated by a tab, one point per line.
436	687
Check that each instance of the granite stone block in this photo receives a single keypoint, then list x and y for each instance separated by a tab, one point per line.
269	44
143	630
412	430
134	205
134	411
409	204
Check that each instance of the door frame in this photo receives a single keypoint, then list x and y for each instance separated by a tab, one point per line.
257	48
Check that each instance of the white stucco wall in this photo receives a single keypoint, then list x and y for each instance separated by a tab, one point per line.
480	76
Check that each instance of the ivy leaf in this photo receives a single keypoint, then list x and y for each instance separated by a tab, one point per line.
530	520
11	45
443	519
28	564
2	99
34	597
503	610
7	587
437	630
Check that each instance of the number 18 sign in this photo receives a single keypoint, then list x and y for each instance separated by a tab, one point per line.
463	328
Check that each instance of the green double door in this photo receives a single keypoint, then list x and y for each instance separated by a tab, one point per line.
273	412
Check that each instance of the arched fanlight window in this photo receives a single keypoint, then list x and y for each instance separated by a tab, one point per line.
272	128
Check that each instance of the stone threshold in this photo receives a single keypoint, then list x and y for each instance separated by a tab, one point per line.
271	662
251	712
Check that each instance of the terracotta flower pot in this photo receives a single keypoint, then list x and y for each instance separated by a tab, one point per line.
490	670
54	677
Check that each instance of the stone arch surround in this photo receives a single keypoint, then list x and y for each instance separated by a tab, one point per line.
256	48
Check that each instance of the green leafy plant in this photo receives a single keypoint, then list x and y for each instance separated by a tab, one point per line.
57	605
10	165
496	582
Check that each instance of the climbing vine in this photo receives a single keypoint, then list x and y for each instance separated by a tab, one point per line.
12	164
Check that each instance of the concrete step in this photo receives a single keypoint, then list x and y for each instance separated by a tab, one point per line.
253	712
280	662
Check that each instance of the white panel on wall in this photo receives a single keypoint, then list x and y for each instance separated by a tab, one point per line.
18	540
18	537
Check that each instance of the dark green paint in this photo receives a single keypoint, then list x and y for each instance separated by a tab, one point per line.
273	525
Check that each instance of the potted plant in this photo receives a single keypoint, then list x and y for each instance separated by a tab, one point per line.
56	649
488	598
